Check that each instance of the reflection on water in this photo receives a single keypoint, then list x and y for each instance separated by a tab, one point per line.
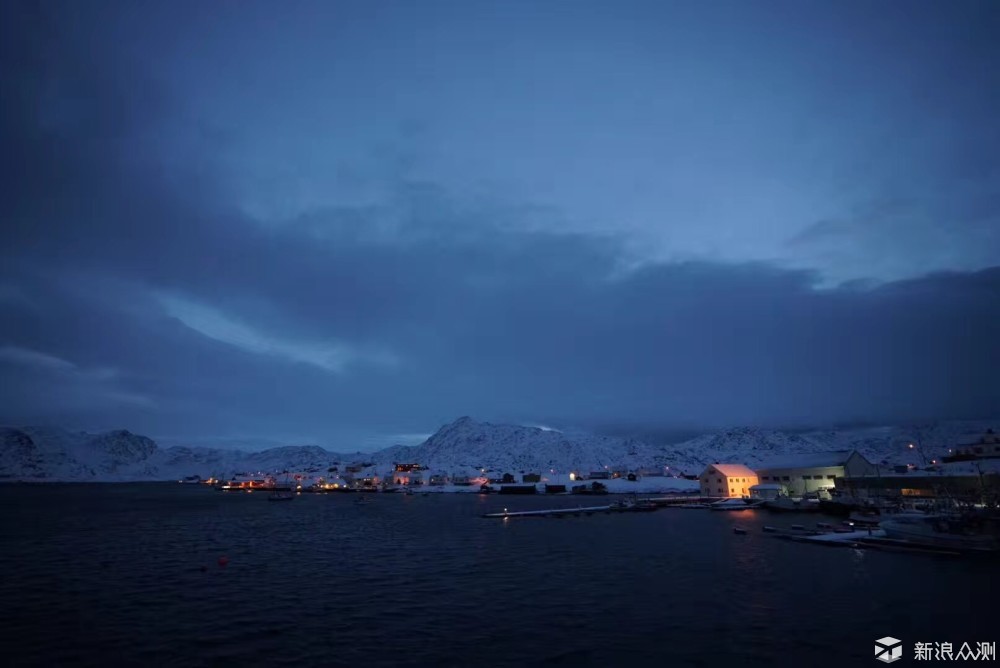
133	572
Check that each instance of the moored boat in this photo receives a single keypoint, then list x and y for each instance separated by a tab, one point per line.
970	532
734	504
793	504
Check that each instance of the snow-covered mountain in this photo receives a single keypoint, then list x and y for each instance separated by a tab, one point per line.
463	446
467	444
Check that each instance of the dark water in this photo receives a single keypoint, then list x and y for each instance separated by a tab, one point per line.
113	575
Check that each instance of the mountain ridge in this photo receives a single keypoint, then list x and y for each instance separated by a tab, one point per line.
463	446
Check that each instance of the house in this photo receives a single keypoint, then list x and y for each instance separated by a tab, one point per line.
438	480
531	477
727	480
631	476
355	468
461	480
814	471
555	489
406	468
507	478
411	477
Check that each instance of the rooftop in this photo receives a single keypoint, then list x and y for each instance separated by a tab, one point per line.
808	460
734	470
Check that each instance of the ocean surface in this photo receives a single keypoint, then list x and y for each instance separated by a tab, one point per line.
182	575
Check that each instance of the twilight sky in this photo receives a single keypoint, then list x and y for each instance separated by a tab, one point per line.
351	222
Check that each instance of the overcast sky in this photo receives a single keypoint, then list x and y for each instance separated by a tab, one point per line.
349	223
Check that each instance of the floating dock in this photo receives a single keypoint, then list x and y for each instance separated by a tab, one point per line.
552	512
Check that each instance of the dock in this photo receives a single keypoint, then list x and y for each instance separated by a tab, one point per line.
552	512
862	539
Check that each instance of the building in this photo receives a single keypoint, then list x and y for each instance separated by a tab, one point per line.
461	480
815	471
962	481
727	480
768	491
411	477
531	477
600	475
438	480
986	446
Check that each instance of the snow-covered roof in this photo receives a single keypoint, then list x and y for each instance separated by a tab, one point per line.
808	460
734	470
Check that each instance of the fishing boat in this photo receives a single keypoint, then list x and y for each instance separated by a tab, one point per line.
793	504
969	532
632	506
281	493
734	504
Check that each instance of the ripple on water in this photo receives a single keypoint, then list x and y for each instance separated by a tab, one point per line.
132	572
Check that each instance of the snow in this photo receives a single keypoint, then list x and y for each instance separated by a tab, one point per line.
470	448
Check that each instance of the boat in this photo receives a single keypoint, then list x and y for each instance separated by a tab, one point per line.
739	530
690	506
734	504
632	506
969	532
793	504
282	493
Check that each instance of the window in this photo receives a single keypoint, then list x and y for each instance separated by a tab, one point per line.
831	477
720	490
785	478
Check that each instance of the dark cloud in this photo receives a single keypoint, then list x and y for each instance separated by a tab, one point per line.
135	287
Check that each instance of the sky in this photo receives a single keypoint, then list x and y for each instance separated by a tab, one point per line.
348	223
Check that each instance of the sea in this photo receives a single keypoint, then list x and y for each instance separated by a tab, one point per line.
183	575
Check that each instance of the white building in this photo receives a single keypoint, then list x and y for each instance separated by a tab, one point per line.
731	480
815	471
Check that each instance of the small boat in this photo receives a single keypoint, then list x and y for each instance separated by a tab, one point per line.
734	504
739	530
792	504
768	529
632	506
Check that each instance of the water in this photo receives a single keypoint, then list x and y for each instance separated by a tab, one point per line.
123	574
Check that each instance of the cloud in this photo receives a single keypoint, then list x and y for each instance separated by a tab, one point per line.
214	324
35	359
51	383
161	305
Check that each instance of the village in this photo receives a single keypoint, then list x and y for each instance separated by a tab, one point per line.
835	480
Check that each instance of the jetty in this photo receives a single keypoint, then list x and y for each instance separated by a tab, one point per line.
551	512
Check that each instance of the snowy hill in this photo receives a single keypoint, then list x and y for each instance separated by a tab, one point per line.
461	447
467	444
